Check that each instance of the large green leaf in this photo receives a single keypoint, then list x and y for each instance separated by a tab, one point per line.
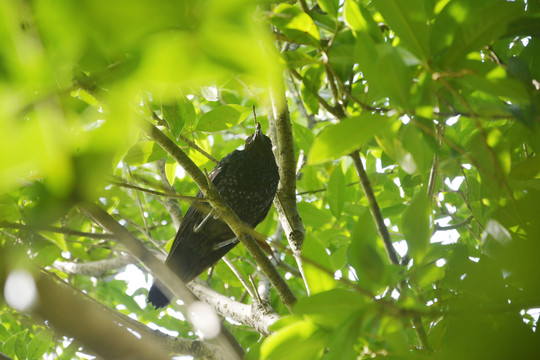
335	305
392	76
300	340
223	117
416	225
177	114
346	136
335	195
475	24
409	20
359	19
341	345
39	344
296	24
144	152
330	6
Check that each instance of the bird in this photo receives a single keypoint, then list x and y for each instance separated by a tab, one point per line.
247	180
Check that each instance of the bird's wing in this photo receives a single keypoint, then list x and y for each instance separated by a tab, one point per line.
194	216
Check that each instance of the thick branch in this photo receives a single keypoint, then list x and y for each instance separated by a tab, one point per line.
160	270
105	331
249	315
285	200
258	318
95	268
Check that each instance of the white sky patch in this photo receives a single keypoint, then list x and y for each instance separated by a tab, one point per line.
175	314
380	169
352	274
452	120
445	237
440	196
405	119
135	279
180	172
455	183
451	208
534	312
401	247
398	184
440	262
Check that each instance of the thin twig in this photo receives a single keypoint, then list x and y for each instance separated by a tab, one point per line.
374	208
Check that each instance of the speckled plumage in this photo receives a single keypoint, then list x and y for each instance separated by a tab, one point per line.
247	180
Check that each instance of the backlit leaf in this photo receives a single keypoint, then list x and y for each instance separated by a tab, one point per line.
348	135
223	117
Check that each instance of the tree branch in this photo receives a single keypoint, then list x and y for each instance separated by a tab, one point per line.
250	315
105	331
374	209
95	268
158	269
285	200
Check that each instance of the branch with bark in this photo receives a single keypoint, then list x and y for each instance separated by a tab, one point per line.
160	270
285	201
107	332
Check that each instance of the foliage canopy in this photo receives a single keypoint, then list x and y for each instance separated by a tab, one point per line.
415	170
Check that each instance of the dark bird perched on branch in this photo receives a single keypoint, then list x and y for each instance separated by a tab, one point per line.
247	180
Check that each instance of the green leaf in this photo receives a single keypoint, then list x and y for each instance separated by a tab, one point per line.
415	224
170	171
348	135
359	19
314	216
313	76
368	264
335	304
299	340
16	345
409	20
393	78
39	344
331	308
177	114
144	152
55	238
417	156
317	279
335	194
480	25
296	24
341	345
427	275
223	117
47	255
329	6
385	69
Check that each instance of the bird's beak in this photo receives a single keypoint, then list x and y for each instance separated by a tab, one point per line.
258	132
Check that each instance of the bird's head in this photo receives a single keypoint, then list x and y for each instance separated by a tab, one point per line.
258	140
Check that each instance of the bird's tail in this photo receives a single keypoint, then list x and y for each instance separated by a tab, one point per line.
159	296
